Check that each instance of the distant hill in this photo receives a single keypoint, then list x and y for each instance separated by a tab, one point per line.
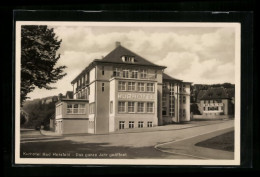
39	111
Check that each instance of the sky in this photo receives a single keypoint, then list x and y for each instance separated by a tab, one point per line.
202	55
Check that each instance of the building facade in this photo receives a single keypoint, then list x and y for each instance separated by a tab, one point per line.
120	91
175	100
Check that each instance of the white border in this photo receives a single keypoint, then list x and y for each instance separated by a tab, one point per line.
236	160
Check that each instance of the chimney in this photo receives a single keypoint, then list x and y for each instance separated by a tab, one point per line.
60	96
117	44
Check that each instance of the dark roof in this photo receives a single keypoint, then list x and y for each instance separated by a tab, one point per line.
230	92
69	94
216	93
115	56
167	77
201	94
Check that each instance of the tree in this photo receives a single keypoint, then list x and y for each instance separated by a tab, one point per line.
38	59
195	109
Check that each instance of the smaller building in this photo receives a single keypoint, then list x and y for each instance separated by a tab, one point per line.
72	116
217	101
175	100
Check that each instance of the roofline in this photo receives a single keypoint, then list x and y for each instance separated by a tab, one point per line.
177	80
95	61
188	82
215	98
156	66
72	100
90	66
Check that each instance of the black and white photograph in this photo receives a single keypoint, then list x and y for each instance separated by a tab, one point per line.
128	93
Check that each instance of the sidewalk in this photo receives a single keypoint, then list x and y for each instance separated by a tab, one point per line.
177	126
49	133
187	147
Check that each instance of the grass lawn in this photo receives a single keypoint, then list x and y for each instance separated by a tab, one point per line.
223	142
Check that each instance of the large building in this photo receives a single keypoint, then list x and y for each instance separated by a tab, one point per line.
120	91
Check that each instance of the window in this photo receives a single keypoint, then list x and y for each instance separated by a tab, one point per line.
81	109
184	100
116	72
172	111
76	108
69	108
103	87
123	58
111	107
143	74
85	96
164	85
140	124
131	124
164	106
213	108
125	73
141	87
184	113
150	87
183	88
83	81
128	59
131	86
155	74
204	108
164	111
180	112
121	86
134	74
91	108
150	107
140	107
121	106
131	107
164	100
172	101
172	89
103	70
121	125
86	78
149	124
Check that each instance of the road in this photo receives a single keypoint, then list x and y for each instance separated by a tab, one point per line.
131	145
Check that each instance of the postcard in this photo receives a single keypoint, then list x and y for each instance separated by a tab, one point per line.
127	93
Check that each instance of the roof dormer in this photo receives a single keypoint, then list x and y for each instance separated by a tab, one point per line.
128	59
